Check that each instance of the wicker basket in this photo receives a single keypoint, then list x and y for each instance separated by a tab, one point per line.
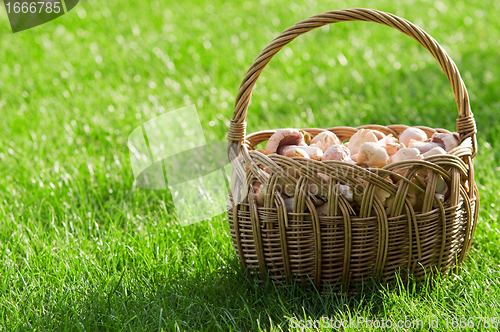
349	244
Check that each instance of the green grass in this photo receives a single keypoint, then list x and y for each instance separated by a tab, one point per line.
82	249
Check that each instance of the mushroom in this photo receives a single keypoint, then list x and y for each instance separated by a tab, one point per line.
388	204
416	197
312	151
371	154
380	135
440	197
359	191
345	191
265	169
281	187
318	191
292	171
337	152
288	204
412	133
259	199
434	151
445	140
296	152
324	177
406	154
322	210
282	139
360	137
382	194
423	147
441	186
324	140
390	144
287	189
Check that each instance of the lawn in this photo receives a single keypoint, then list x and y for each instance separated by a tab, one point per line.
82	248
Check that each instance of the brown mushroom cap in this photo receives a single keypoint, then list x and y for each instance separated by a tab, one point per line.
282	139
445	140
380	135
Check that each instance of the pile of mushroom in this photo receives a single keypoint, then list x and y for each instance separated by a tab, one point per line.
366	148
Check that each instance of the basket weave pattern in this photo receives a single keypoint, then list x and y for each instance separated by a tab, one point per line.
370	241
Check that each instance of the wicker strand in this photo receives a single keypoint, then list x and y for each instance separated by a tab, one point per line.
466	126
238	237
469	228
237	131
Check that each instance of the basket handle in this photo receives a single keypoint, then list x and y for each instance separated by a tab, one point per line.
466	125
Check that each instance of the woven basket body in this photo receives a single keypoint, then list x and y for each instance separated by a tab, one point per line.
348	243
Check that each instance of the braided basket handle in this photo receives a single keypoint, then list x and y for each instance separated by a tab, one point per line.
466	125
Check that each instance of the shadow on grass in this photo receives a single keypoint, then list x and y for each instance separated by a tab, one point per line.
224	299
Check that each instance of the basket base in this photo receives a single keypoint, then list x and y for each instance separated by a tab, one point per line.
434	251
